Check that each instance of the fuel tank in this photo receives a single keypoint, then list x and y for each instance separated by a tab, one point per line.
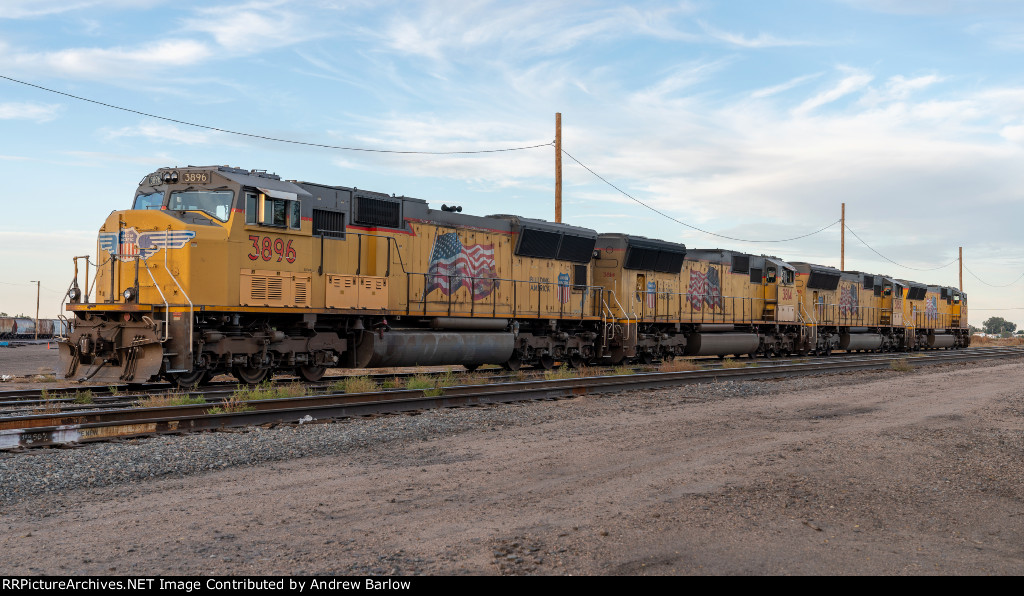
860	341
720	344
415	347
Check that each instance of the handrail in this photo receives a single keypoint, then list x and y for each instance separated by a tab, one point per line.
167	308
626	336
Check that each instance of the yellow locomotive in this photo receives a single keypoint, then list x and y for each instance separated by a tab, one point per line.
218	269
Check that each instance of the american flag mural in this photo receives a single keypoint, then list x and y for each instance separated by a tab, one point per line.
452	264
128	243
931	308
848	298
705	289
564	289
651	294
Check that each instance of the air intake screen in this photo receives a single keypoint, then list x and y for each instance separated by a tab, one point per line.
576	249
740	263
378	212
869	282
878	290
756	275
641	258
328	223
823	281
536	243
669	262
916	293
652	259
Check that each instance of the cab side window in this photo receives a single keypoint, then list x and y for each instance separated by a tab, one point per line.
270	211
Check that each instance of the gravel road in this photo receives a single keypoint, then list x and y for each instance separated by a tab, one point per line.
863	473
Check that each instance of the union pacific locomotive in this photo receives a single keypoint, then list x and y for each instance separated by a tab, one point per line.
218	269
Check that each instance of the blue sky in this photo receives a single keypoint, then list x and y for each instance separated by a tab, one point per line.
749	119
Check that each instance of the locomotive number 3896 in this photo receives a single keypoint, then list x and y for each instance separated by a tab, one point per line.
265	247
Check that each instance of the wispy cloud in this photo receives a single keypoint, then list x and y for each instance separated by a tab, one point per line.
166	133
763	40
783	87
931	7
26	9
29	111
855	81
117	62
254	27
448	30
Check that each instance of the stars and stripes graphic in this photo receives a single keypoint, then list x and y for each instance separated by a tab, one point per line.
129	243
848	299
931	308
705	289
651	294
454	265
564	290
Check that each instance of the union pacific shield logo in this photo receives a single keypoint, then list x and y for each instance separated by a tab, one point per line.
130	244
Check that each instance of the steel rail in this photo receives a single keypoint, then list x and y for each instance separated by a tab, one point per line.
12	397
72	429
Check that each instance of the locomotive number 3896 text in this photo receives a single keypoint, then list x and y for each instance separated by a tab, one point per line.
265	247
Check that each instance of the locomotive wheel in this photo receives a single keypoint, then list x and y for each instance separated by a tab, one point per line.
575	361
187	380
545	362
250	376
311	374
513	364
470	367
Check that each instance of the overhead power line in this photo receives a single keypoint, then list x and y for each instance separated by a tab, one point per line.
894	262
992	285
266	138
683	223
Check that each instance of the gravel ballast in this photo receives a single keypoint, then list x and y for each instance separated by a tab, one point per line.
877	472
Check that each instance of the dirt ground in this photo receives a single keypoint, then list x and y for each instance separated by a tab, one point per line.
873	473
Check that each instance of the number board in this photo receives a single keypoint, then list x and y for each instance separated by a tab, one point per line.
194	177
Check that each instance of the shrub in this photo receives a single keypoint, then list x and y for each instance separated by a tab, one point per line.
164	400
354	384
562	372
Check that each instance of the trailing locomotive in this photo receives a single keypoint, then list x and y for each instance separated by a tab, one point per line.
217	269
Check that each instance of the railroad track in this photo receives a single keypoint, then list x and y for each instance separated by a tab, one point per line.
74	428
19	399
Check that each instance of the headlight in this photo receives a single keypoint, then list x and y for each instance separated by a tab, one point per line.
128	294
74	293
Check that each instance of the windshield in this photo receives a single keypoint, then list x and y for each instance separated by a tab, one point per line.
215	203
153	200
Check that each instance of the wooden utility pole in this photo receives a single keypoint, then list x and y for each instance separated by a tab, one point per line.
558	167
842	240
961	269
